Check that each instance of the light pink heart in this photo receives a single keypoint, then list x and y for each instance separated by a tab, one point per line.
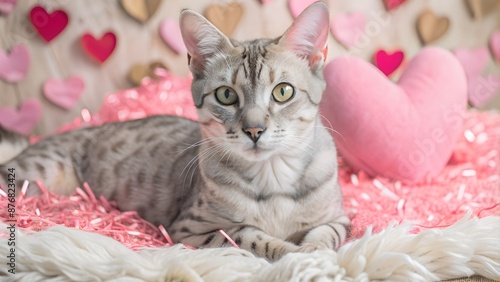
171	34
297	6
483	89
6	6
402	131
473	60
65	94
495	45
14	66
347	28
22	120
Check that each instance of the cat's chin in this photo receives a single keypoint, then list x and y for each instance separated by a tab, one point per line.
257	154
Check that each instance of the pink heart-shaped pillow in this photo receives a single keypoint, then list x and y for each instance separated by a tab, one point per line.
402	131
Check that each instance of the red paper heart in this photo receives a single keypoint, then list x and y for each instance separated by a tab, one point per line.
388	63
99	49
48	25
23	120
65	94
393	4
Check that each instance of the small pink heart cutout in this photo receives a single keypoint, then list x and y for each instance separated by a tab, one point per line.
402	131
6	6
171	34
13	67
347	28
495	45
297	6
22	120
65	94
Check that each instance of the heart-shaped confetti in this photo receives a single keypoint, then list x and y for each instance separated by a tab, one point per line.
482	89
64	94
388	63
473	60
48	25
297	6
431	27
141	10
22	120
139	71
99	49
481	8
225	16
171	34
13	67
6	6
495	45
347	28
393	4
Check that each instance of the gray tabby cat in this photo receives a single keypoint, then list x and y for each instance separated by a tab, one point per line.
258	165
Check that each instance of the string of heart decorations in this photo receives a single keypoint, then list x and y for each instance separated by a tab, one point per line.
349	29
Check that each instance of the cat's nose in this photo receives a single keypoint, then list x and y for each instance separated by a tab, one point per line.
254	132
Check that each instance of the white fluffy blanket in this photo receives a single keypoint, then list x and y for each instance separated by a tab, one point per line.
471	246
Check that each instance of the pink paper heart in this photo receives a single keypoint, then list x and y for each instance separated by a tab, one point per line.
297	6
401	131
22	120
495	45
13	67
171	34
483	89
263	2
6	6
388	63
348	27
473	61
393	4
65	94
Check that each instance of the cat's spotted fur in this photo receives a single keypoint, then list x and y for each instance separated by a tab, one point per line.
263	171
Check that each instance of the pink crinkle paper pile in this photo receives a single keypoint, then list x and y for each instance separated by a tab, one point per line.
470	181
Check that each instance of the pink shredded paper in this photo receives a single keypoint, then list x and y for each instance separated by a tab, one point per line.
470	181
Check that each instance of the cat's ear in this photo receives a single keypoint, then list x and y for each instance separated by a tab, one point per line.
202	39
308	34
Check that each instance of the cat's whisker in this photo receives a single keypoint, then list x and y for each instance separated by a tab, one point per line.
331	127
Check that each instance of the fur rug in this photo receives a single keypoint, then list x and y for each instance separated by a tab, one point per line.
470	246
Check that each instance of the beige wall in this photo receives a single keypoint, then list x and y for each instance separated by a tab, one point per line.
141	43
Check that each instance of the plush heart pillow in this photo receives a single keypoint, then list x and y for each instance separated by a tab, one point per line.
402	131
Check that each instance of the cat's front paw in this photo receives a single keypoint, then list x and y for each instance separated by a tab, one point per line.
311	247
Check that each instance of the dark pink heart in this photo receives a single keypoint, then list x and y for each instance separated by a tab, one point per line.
393	4
48	25
65	94
22	120
6	6
495	45
99	49
388	63
401	131
13	67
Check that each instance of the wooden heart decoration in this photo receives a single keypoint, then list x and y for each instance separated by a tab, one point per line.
495	45
431	27
388	63
400	131
297	6
6	6
141	10
139	71
48	25
64	94
14	67
171	34
481	8
225	16
393	4
99	49
347	28
21	120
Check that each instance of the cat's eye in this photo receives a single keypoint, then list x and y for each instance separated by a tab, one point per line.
226	95
283	92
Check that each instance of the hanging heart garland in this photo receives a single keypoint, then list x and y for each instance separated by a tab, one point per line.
48	25
23	119
64	94
7	6
99	49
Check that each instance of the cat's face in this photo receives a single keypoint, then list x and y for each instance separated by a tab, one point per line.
258	98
